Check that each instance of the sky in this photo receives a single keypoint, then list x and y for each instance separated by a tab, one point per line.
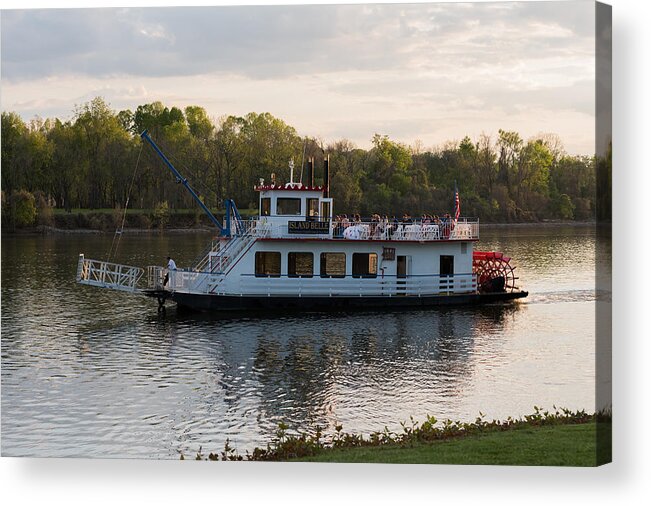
431	73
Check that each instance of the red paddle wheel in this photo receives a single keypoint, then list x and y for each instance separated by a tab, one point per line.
494	272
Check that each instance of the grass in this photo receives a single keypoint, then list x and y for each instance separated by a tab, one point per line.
558	445
560	437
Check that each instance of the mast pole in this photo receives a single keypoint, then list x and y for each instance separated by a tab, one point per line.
180	179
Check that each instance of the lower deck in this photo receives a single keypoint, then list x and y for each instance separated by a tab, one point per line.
328	268
246	273
197	302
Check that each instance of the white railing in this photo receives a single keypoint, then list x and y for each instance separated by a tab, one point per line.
221	253
463	229
219	260
186	281
108	275
155	277
349	286
202	261
256	228
388	286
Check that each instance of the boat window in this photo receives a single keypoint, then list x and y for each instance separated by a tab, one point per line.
313	209
388	253
288	207
364	265
333	265
267	264
446	267
300	265
265	206
325	210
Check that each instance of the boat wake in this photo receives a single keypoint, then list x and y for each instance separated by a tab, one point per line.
568	296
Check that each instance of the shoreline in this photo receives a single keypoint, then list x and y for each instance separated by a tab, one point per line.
549	224
47	230
550	438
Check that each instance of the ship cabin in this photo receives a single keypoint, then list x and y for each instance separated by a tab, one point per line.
299	248
294	210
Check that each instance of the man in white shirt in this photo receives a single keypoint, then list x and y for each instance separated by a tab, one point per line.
171	266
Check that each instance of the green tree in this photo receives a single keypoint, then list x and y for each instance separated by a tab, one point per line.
563	206
155	117
108	158
346	169
486	166
13	133
387	178
198	122
161	214
266	145
533	167
68	165
22	209
388	158
509	145
126	120
92	160
26	154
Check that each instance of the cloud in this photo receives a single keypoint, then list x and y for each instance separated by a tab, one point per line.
273	41
335	70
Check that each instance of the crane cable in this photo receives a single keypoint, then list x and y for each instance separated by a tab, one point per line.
196	181
118	232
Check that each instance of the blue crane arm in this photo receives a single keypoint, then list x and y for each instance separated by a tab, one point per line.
145	135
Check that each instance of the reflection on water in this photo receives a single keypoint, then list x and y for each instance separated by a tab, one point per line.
87	372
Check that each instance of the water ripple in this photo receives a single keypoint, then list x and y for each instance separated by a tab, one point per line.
87	372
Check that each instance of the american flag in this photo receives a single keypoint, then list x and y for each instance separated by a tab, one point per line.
457	203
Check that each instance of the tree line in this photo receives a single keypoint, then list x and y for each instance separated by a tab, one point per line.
96	160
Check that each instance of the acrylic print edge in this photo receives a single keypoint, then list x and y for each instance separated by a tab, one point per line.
603	243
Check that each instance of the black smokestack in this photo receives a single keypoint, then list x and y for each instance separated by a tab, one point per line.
309	171
326	176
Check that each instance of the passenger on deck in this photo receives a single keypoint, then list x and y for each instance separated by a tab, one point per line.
171	266
394	226
336	226
375	226
380	227
375	221
445	225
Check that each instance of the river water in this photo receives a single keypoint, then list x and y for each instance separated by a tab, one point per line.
88	372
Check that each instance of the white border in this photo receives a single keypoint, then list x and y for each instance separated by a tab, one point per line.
116	482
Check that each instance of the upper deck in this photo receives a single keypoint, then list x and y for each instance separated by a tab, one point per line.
297	211
271	227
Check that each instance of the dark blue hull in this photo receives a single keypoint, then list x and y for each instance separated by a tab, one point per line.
246	303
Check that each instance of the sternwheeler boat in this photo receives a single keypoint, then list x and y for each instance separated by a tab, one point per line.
296	254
